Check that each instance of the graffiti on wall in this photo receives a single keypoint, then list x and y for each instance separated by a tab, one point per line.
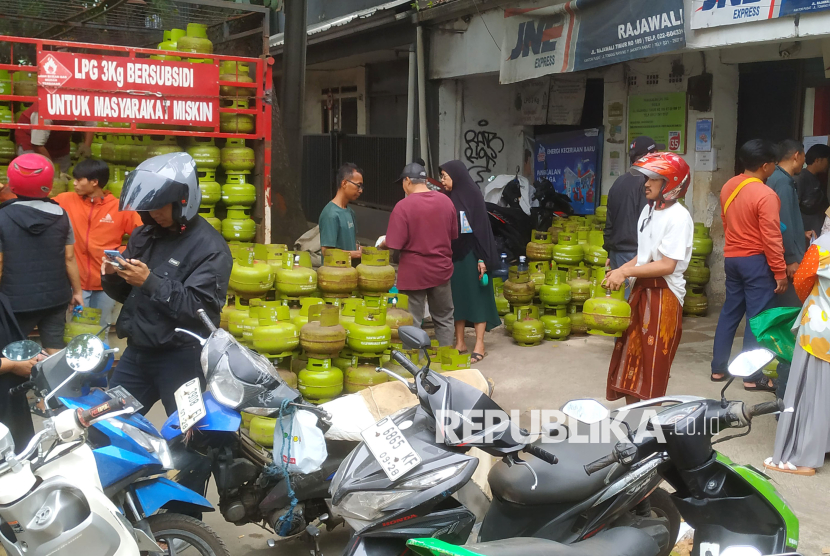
481	150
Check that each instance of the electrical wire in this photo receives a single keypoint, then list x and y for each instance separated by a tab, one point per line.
485	25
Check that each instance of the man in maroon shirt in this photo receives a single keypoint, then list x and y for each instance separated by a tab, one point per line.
422	227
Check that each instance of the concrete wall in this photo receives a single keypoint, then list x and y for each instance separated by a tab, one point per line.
317	80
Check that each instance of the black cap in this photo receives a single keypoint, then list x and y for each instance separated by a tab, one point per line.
413	170
643	145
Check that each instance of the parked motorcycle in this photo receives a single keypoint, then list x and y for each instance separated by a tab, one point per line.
130	454
51	500
734	509
251	488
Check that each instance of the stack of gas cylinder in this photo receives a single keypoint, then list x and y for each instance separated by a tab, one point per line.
697	275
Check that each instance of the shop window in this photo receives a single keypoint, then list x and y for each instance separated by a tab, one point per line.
653	79
632	80
339	109
675	78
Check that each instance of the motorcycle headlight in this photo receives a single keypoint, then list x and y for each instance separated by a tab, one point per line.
224	386
152	444
429	480
368	505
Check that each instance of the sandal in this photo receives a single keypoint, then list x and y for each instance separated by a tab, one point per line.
476	357
763	385
721	379
789	468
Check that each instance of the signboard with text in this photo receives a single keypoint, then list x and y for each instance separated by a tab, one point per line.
714	13
87	87
570	161
584	34
661	116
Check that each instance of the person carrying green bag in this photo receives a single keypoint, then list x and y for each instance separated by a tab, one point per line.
773	329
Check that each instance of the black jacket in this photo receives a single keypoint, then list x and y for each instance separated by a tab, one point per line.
34	255
626	200
188	272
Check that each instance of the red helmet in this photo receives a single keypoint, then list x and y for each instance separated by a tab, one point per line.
30	175
668	167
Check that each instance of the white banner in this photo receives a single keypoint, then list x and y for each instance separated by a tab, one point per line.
567	97
535	102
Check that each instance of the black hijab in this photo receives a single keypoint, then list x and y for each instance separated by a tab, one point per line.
467	197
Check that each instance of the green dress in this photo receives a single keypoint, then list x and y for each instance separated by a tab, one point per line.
473	302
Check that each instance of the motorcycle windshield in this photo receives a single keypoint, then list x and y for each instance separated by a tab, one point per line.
466	416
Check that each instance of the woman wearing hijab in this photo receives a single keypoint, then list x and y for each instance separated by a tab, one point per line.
472	253
642	357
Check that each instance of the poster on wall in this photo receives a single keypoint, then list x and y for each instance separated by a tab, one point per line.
535	102
714	13
571	162
703	135
584	34
661	116
567	97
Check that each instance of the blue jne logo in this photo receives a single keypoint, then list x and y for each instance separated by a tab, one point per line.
710	4
538	37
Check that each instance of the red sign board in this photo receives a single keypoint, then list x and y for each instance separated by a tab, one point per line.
86	87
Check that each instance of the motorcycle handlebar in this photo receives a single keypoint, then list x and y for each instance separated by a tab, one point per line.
542	454
601	463
764	409
20	388
84	417
404	362
207	322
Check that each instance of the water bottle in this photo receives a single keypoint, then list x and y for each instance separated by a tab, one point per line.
503	268
523	264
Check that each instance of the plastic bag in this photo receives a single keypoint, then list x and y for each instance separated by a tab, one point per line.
305	450
773	329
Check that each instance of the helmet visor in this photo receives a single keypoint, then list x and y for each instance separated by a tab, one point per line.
143	191
635	170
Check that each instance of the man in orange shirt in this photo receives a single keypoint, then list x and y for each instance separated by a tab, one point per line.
98	225
753	254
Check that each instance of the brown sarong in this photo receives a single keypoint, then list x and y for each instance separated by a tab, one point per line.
643	356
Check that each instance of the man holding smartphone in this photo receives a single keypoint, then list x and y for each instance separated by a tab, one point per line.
173	266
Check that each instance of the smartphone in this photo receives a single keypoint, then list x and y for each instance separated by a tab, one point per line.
113	256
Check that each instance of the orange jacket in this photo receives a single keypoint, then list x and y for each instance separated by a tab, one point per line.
98	225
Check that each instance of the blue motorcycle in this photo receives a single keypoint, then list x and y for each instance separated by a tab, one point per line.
131	455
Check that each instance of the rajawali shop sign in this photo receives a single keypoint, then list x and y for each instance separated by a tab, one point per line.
541	39
85	87
714	13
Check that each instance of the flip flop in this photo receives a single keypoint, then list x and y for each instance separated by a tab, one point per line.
789	468
762	386
477	357
721	379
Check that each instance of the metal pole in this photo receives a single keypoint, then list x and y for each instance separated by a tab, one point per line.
459	116
410	106
423	137
293	83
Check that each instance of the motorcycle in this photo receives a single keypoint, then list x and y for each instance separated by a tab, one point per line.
734	509
544	496
50	502
252	489
130	453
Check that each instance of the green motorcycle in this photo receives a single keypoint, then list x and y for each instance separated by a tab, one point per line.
734	509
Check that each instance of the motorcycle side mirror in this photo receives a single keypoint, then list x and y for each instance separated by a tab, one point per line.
585	411
413	337
22	350
84	353
750	362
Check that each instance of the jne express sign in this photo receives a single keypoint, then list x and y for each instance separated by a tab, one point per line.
80	87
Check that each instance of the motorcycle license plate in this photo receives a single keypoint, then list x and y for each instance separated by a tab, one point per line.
390	448
190	404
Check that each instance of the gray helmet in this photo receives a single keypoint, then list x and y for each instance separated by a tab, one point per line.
161	180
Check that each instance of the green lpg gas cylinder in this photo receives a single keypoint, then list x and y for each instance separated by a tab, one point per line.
567	251
502	305
205	153
519	288
537	273
162	144
348	309
345	359
250	278
138	149
578	325
397	313
275	333
557	324
87	321
208	214
232	122
302	317
236	157
374	273
697	274
236	318
7	148
701	242
608	314
261	430
528	330
211	190
337	278
232	310
363	375
25	84
369	332
556	291
323	336
237	191
251	323
195	40
595	255
580	287
230	70
540	247
695	303
295	280
320	381
237	225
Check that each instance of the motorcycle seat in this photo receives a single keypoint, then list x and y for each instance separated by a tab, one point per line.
564	482
620	541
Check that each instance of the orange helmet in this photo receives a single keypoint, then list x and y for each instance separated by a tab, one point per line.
668	167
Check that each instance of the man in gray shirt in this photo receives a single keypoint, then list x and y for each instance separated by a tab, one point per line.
812	193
